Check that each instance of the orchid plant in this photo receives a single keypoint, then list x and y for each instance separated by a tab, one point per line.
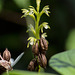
36	15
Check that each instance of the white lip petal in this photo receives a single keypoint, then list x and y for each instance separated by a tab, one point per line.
46	27
46	12
31	43
27	11
30	13
43	36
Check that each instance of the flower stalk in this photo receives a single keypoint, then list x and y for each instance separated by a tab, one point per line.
36	26
39	43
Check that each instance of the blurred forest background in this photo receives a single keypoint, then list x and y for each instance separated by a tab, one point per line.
13	28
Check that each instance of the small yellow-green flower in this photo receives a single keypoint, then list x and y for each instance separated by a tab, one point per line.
44	25
45	10
31	40
44	35
31	29
25	11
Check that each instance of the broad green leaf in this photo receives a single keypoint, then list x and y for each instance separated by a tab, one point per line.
70	42
64	62
20	72
22	3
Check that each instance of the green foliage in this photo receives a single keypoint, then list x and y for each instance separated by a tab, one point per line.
5	41
70	43
19	72
64	62
22	3
1	5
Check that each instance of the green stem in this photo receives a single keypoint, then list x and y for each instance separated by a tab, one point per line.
7	72
39	69
38	66
36	26
37	22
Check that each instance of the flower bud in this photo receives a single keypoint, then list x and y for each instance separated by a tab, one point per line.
39	60
42	60
35	49
4	65
43	44
6	55
43	52
32	65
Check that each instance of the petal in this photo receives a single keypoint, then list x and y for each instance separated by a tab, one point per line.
46	26
31	43
44	35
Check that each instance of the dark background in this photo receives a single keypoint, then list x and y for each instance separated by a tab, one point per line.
13	28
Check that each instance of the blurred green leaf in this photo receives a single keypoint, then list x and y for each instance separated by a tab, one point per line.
64	62
70	42
22	3
1	5
19	72
10	41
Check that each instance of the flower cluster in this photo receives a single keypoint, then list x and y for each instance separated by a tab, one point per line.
39	43
32	12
